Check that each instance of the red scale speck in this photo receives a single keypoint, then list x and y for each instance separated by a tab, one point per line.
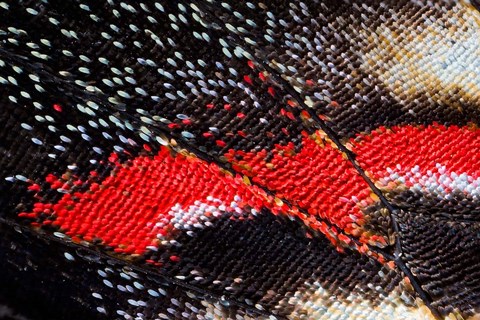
248	79
262	76
271	91
34	187
220	143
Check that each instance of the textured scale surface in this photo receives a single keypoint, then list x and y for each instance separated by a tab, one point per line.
240	159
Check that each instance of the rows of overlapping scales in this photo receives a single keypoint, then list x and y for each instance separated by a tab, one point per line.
83	80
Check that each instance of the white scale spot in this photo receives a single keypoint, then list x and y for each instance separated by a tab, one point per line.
68	256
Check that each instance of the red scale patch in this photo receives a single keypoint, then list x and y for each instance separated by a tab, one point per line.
317	179
403	148
123	209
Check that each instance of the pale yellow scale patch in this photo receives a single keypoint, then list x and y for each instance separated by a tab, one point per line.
438	59
318	303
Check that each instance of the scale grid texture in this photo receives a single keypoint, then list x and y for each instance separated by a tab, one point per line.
210	159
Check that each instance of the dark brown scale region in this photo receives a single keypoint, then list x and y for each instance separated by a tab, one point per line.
441	243
32	262
273	258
